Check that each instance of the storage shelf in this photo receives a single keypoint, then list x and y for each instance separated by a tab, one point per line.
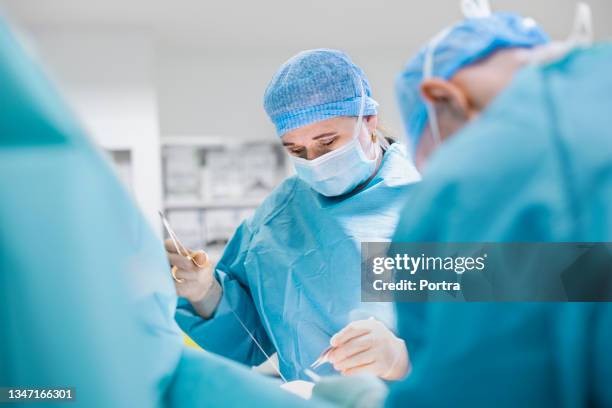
213	141
211	184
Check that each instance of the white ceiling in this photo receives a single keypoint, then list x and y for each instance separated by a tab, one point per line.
282	23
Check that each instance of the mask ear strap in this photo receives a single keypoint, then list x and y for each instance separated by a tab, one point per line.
361	108
470	9
428	73
582	33
381	141
359	123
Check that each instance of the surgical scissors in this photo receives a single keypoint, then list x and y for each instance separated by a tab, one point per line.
180	248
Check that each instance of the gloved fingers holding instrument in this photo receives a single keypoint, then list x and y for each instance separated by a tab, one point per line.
368	346
194	279
193	276
192	273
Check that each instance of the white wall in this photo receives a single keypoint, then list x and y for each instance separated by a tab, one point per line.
213	94
107	77
214	84
208	92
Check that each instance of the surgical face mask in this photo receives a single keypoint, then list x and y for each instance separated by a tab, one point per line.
339	171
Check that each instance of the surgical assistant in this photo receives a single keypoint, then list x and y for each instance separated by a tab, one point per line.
291	273
532	165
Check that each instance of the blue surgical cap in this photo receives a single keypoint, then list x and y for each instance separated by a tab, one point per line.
316	85
465	43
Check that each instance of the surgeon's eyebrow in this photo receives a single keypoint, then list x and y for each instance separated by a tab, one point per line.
322	135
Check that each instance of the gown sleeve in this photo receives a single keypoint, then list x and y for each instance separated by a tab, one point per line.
224	333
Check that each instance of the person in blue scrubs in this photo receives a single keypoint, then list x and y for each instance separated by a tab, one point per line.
290	275
515	139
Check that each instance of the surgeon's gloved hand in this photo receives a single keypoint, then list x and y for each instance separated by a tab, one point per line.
359	391
368	346
194	283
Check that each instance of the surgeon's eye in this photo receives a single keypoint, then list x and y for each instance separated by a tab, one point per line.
328	142
296	151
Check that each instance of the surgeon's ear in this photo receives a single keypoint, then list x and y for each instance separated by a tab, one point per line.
444	93
371	122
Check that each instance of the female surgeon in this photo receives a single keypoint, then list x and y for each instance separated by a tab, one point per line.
289	280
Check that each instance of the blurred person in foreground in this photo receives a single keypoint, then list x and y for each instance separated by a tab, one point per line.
87	304
514	135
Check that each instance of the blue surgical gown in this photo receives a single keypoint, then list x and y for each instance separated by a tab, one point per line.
292	272
536	166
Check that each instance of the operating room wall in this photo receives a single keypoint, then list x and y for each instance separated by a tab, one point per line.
205	92
108	78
